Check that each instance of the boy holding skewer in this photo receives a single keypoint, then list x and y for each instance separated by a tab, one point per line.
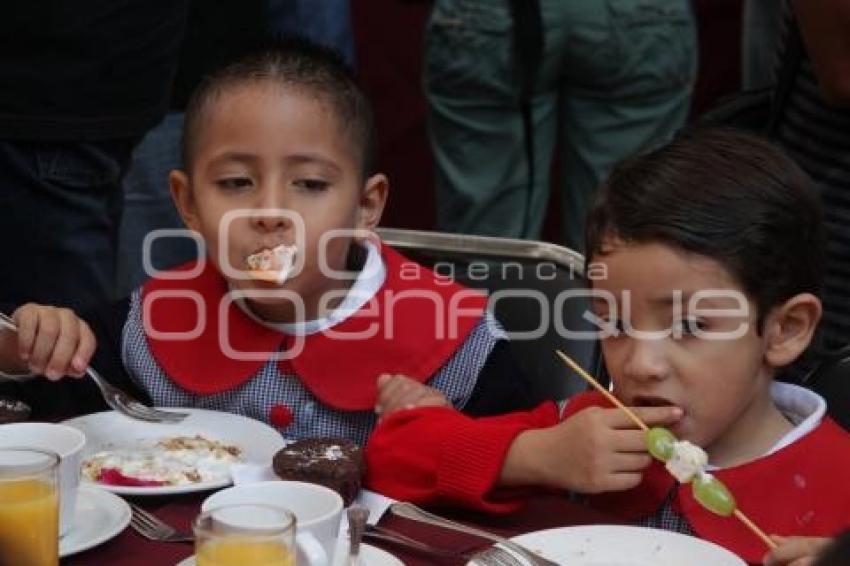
712	252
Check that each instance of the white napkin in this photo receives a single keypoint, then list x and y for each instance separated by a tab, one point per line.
375	502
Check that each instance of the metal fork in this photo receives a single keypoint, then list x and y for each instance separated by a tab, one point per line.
153	528
411	511
114	397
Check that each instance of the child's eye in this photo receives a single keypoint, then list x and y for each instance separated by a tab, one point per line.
312	185
688	327
234	183
613	327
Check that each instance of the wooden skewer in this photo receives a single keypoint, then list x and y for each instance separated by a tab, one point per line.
596	385
754	528
588	378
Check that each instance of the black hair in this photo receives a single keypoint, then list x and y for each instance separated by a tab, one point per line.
724	194
299	64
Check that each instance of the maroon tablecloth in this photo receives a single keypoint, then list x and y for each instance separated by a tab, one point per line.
129	549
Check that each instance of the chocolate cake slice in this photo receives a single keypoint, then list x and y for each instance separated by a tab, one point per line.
332	462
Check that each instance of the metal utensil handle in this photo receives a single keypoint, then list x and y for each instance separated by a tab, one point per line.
411	511
8	322
357	518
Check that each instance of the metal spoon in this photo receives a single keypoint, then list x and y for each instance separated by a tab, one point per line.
357	518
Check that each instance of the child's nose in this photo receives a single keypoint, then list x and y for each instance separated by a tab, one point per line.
271	210
271	219
645	360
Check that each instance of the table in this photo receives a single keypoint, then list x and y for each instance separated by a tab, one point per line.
543	511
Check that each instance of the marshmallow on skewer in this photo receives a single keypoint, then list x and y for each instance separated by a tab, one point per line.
688	460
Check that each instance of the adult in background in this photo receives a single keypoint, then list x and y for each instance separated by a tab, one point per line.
814	126
215	32
80	83
509	80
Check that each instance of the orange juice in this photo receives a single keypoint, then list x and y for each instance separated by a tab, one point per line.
243	551
29	523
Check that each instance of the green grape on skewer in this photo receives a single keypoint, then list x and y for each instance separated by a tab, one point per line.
686	462
661	443
713	495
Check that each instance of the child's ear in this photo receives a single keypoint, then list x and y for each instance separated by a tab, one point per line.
372	201
789	328
184	200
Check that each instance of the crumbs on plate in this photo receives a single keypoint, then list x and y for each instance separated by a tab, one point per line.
172	461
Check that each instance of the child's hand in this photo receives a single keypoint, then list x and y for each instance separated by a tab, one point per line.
51	341
593	451
795	551
396	392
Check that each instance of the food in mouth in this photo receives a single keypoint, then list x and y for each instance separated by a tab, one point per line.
177	460
272	265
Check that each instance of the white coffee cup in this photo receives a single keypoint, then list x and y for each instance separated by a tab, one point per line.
65	441
317	509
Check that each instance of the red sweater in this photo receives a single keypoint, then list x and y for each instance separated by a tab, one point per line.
439	455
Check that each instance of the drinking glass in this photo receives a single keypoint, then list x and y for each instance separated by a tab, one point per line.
245	535
29	507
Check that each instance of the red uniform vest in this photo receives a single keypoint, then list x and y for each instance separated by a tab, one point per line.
800	490
415	323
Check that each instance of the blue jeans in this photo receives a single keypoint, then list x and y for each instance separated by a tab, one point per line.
148	205
326	22
615	78
61	206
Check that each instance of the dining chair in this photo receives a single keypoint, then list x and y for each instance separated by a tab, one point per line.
536	290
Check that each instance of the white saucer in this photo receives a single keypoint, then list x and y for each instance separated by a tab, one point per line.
369	556
99	516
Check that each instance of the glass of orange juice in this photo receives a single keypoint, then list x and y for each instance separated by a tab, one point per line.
29	507
243	534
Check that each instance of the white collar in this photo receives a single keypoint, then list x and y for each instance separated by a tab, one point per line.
365	286
801	406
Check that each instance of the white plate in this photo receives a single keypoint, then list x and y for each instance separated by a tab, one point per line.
620	545
369	556
98	517
111	430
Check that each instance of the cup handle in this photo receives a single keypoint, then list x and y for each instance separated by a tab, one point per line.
311	549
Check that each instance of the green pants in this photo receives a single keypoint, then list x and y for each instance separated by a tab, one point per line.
616	76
